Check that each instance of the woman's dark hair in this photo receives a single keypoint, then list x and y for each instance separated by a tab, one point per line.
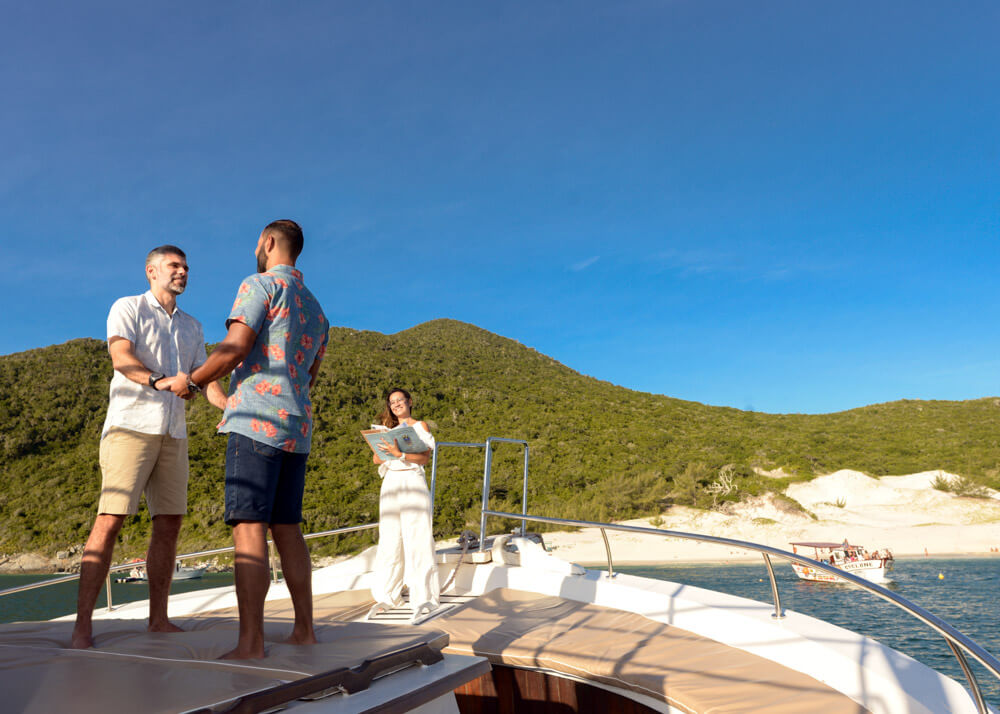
387	417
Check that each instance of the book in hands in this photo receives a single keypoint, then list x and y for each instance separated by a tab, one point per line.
404	435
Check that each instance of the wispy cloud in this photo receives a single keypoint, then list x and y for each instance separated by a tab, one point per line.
745	266
584	264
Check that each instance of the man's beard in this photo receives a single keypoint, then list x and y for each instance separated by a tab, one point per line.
176	288
261	261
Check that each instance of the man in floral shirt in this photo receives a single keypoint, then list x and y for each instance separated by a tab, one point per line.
276	340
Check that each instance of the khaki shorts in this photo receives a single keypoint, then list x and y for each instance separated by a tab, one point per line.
133	463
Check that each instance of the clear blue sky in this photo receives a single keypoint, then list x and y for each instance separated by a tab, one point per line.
785	206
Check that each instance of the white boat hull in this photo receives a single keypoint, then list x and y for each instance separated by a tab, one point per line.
875	570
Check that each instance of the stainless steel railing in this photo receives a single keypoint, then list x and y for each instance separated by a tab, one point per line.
958	642
181	557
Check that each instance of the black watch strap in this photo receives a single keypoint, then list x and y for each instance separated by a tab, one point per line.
154	378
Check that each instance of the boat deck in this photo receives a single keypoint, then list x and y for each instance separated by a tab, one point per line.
511	628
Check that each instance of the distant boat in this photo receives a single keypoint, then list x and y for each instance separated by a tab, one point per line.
138	574
854	559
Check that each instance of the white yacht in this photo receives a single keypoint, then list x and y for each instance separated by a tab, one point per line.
519	630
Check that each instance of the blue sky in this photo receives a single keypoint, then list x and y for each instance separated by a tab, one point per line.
784	206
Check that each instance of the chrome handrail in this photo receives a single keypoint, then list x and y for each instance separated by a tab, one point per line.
182	556
953	637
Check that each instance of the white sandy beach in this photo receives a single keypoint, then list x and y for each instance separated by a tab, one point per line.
902	513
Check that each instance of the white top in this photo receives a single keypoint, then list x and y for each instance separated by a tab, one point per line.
164	343
401	465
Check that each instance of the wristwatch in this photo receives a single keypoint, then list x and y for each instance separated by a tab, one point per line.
154	378
192	387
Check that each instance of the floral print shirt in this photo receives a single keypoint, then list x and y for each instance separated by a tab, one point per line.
269	391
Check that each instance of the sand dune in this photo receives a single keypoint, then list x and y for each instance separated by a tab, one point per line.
902	513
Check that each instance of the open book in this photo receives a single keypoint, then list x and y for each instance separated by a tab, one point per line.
404	435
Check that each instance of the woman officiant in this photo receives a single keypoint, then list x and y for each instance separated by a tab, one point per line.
404	508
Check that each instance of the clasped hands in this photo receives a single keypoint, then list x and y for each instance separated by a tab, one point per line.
178	384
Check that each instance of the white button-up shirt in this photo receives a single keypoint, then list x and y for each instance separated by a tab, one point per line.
166	343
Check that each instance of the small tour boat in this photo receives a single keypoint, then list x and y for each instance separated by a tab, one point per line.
138	574
854	559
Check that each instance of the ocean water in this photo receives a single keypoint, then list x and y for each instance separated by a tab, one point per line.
56	600
961	591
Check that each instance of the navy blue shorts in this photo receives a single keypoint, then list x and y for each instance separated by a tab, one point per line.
263	483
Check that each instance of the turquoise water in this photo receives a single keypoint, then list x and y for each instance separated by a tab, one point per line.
55	600
965	597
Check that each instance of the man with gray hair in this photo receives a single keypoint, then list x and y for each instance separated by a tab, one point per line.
144	440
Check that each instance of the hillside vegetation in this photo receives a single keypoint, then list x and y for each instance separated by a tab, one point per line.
598	451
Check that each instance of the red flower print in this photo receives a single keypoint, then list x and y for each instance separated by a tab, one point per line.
309	411
275	389
302	318
285	312
255	368
244	289
322	352
276	352
283	414
288	445
292	371
298	390
238	318
231	402
262	388
306	342
299	357
273	313
288	337
298	301
220	424
270	430
255	425
305	429
282	282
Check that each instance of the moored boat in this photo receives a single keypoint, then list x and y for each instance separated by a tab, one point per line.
874	566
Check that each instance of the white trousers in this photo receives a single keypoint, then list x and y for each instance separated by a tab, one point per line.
405	542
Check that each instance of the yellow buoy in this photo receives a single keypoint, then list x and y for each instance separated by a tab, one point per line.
940	576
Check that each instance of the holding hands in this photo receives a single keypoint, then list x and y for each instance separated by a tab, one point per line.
178	384
182	386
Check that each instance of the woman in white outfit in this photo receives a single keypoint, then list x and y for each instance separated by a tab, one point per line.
404	508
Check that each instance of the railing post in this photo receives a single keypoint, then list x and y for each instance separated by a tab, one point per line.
778	612
524	495
107	582
607	549
273	558
486	495
977	695
434	477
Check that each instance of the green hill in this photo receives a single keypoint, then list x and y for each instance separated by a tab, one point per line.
598	451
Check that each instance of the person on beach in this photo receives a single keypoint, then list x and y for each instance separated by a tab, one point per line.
144	439
404	508
277	336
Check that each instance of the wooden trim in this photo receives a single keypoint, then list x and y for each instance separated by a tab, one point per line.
509	690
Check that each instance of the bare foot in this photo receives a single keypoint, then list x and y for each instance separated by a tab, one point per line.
240	653
296	638
165	626
81	641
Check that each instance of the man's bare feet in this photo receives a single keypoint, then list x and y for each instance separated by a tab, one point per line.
165	626
240	653
81	640
299	638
